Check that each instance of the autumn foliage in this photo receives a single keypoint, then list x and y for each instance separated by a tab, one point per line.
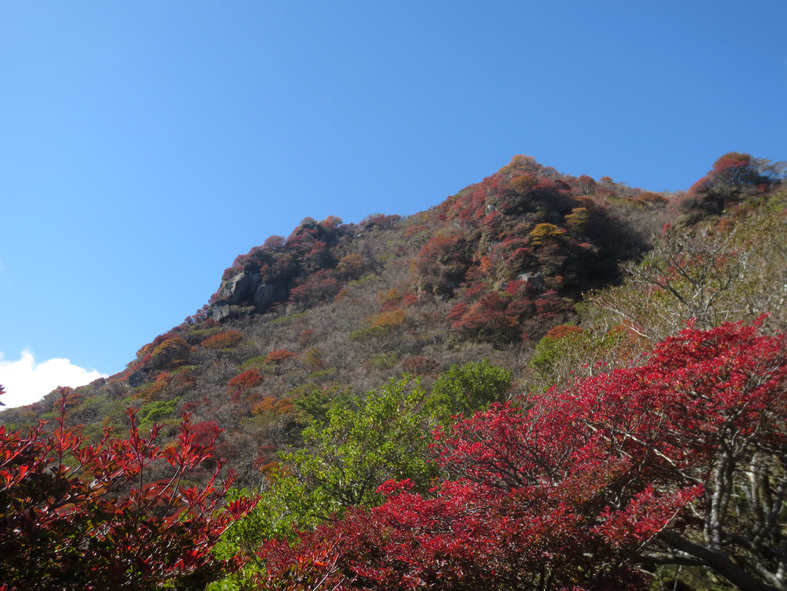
279	355
524	224
116	513
579	489
243	382
223	340
590	461
170	353
734	176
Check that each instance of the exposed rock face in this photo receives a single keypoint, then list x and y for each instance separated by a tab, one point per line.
242	288
239	287
535	280
264	296
219	311
137	379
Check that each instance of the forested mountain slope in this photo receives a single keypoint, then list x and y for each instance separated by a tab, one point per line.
329	357
339	308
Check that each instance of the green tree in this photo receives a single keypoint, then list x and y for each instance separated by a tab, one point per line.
386	435
465	389
361	445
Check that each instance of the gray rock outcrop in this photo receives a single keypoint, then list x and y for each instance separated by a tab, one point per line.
245	287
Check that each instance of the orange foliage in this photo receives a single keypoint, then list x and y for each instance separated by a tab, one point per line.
524	184
578	219
650	199
562	330
151	391
331	222
411	231
389	299
279	355
271	405
170	353
387	320
267	467
486	265
383	297
351	266
223	340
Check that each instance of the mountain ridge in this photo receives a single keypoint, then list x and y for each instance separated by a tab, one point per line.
335	309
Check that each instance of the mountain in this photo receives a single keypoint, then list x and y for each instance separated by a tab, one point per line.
543	378
335	310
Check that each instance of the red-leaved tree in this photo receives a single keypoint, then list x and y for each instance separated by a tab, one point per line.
678	461
112	514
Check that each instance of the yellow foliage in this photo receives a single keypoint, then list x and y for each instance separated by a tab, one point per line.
546	232
578	219
351	266
523	184
387	320
390	295
171	353
520	160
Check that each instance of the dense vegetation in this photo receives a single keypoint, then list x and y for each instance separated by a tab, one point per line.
545	382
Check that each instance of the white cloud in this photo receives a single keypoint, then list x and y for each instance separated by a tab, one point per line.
27	381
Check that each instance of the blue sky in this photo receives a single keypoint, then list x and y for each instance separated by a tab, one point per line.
143	145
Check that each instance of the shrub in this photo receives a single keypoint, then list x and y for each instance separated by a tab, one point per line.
442	263
198	335
314	400
320	286
257	362
314	359
673	462
271	405
150	391
223	340
465	389
365	333
546	233
157	411
351	266
378	324
387	320
170	353
523	184
489	319
242	383
86	516
650	199
382	361
420	366
279	355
